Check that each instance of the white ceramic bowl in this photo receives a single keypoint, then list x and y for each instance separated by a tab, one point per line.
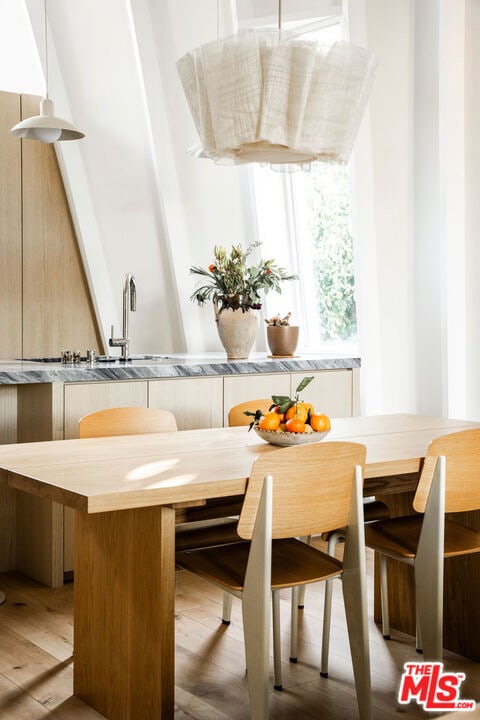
288	438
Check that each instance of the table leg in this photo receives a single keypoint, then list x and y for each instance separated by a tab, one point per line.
124	642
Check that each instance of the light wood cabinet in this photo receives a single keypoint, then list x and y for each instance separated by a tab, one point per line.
240	388
57	308
195	402
44	296
10	230
83	398
331	391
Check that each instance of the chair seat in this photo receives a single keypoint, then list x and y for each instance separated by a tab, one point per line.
293	563
399	536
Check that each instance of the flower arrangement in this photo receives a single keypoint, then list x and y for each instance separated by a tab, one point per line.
231	282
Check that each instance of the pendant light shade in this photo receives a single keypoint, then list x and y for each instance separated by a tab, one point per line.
46	127
265	96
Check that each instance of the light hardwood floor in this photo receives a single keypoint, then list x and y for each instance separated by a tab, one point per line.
36	660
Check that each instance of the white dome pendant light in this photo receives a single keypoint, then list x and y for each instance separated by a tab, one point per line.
46	127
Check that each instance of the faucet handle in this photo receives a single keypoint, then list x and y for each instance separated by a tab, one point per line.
113	342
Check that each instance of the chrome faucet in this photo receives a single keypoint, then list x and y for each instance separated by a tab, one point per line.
129	305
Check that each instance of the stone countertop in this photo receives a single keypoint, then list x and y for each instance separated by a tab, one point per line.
144	367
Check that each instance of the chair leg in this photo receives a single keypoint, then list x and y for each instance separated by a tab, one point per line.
429	567
384	597
2	597
256	606
227	608
301	597
354	584
277	648
294	623
327	609
301	593
418	641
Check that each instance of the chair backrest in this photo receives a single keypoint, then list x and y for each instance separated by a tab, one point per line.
236	416
126	421
312	488
462	484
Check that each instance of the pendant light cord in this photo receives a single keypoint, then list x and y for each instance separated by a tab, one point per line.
279	14
46	45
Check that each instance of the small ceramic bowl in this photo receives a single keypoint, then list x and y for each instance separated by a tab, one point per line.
288	438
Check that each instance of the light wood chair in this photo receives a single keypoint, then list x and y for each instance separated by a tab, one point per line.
126	421
450	482
373	510
326	494
236	416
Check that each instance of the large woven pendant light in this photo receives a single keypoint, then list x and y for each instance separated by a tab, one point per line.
266	96
46	127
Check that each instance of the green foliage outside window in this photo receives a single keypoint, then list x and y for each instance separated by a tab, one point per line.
328	200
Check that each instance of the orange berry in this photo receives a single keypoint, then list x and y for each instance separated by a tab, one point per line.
270	421
320	422
295	425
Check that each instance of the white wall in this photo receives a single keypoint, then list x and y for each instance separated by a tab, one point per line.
383	207
139	203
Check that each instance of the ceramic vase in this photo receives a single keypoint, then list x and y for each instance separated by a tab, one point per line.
282	339
237	330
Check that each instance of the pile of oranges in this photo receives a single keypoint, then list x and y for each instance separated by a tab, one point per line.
299	418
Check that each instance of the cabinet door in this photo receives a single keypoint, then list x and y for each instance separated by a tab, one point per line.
57	308
84	398
330	392
195	402
240	388
10	229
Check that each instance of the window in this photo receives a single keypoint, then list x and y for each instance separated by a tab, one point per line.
304	222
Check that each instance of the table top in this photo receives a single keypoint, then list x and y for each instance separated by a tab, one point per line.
117	473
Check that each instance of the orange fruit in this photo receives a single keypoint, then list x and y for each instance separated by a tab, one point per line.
282	427
298	412
308	407
295	425
276	409
270	421
320	422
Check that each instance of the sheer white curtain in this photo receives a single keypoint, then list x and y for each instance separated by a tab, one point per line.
416	220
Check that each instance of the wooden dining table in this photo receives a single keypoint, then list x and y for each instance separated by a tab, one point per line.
125	491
